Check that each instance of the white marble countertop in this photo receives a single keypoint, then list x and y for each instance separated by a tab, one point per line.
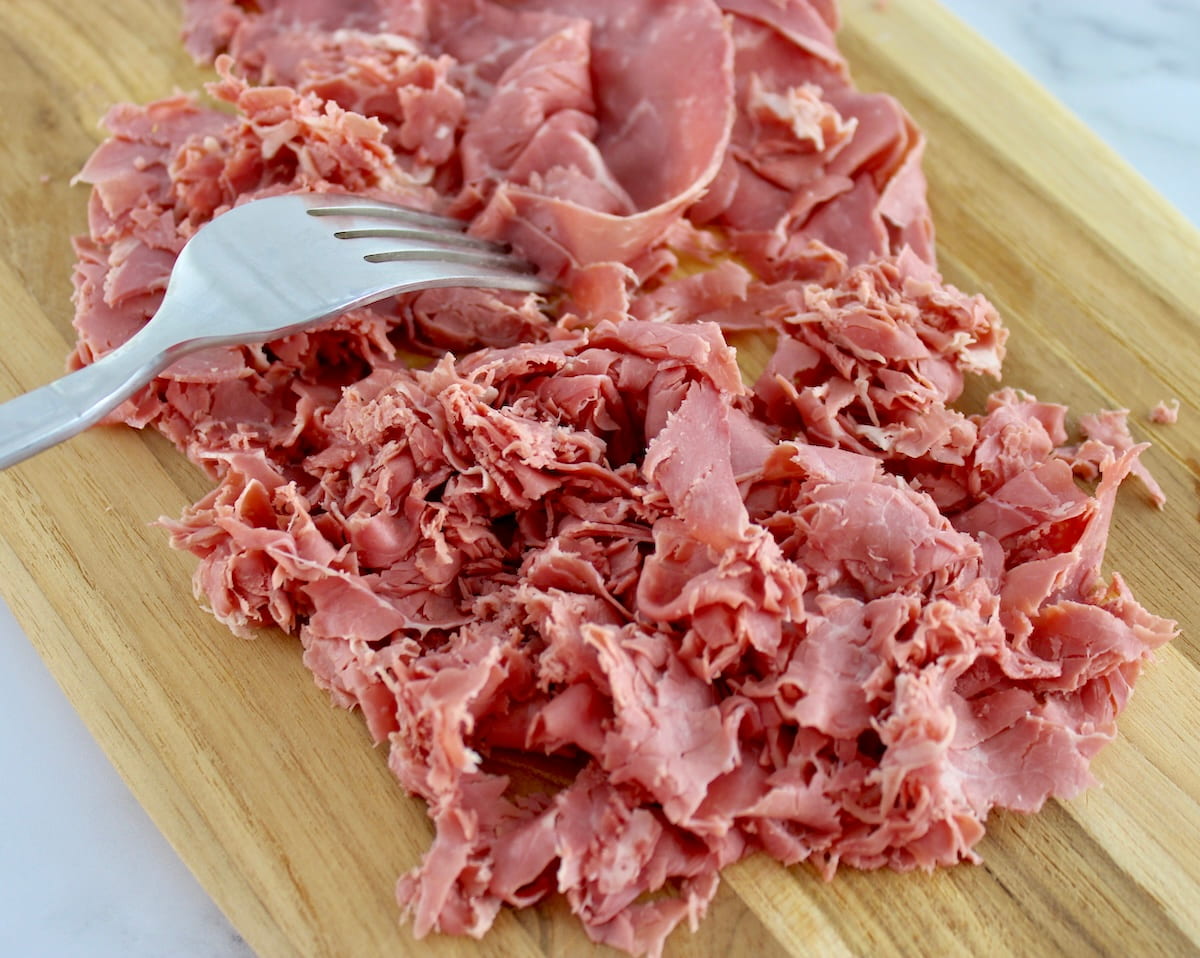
83	871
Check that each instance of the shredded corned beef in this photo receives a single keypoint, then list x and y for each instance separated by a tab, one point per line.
827	615
1165	412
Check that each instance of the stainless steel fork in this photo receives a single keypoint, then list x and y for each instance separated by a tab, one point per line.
259	272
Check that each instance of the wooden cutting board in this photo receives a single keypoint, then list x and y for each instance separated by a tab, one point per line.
276	800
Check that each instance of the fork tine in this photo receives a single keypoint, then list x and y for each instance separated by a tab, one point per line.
465	257
438	269
451	238
403	214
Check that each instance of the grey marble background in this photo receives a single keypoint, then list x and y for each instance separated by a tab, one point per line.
83	871
1129	68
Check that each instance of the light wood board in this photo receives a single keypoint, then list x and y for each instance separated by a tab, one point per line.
276	800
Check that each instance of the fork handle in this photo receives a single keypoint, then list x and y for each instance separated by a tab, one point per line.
49	414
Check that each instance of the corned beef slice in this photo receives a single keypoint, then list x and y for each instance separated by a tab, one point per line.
826	615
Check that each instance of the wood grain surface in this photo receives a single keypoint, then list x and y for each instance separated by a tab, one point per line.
277	801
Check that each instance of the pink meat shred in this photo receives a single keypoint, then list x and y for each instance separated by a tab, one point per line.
828	616
1165	412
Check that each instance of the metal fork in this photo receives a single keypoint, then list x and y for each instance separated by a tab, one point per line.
259	272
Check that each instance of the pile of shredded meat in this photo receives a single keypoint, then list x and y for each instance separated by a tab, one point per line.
825	615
